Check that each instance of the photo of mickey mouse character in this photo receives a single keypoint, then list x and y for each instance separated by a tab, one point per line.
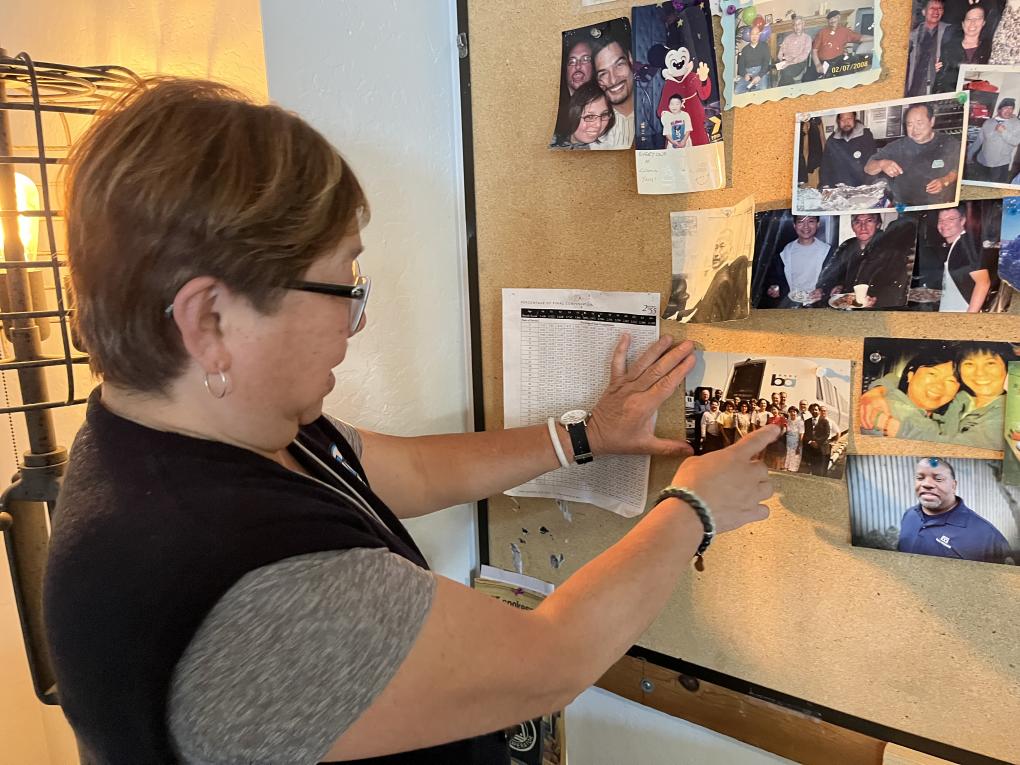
676	84
684	92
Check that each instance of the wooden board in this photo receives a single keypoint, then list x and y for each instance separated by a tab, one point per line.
922	645
788	733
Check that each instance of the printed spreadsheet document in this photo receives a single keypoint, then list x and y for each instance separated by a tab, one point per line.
557	346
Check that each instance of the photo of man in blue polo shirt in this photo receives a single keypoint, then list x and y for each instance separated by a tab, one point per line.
942	524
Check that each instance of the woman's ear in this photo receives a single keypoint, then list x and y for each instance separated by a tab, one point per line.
195	313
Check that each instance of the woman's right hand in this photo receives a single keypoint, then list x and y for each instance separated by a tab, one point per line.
731	481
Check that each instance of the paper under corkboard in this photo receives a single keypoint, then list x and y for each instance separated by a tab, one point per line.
928	646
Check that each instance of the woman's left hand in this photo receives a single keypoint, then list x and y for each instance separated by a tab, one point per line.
622	420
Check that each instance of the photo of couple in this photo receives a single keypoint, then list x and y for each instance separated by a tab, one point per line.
795	48
596	100
947	35
851	262
948	391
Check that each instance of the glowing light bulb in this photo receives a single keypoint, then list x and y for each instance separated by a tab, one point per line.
28	226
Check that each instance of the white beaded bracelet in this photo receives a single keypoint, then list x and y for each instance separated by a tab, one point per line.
554	437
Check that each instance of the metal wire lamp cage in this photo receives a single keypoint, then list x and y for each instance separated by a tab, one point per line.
43	107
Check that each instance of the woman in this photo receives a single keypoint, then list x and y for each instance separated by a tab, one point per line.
914	403
760	415
728	423
970	47
589	117
776	451
794	436
228	576
742	420
976	419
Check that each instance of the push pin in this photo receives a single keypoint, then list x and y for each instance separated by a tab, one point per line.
962	97
731	9
901	208
679	5
596	32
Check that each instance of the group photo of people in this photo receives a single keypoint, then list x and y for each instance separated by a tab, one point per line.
596	93
808	435
944	260
947	35
993	130
906	154
933	505
730	395
948	391
790	43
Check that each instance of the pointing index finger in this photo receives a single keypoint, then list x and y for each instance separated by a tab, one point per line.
752	443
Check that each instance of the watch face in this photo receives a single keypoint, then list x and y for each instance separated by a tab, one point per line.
574	416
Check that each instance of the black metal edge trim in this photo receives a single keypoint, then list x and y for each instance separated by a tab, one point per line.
474	300
833	716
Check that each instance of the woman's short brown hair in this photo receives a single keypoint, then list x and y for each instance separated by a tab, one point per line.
184	178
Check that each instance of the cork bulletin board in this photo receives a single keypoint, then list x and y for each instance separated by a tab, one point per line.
922	645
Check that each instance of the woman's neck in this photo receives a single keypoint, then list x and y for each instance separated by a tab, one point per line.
971	42
166	413
981	401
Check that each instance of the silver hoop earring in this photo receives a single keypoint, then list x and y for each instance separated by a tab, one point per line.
224	385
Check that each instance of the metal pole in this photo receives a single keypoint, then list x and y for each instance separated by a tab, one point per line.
24	506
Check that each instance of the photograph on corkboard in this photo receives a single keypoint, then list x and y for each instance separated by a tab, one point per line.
947	391
850	262
679	130
731	394
1011	426
993	131
958	259
1009	251
712	251
788	48
933	505
906	154
947	35
596	88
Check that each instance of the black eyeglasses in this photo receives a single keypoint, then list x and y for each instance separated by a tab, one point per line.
357	293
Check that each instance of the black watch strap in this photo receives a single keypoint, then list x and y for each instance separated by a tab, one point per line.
578	432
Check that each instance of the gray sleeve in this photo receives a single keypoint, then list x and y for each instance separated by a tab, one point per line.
293	654
349	432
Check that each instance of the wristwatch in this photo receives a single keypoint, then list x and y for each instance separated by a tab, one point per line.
576	423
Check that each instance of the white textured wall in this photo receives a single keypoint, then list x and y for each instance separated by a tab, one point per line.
379	80
219	39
